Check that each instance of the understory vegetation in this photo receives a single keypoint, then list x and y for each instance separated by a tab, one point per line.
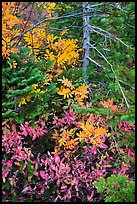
65	138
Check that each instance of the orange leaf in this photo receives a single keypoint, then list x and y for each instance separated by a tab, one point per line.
100	131
66	92
66	82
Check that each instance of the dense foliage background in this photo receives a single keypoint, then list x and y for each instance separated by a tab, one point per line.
64	138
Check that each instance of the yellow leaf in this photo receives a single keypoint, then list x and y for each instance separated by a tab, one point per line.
66	92
70	144
22	102
55	134
87	127
100	131
66	82
43	91
34	85
37	90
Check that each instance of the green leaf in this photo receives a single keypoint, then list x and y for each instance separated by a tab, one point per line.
131	185
30	168
7	185
132	73
52	88
8	114
120	68
14	197
102	181
50	63
6	104
100	185
21	166
19	120
23	92
129	118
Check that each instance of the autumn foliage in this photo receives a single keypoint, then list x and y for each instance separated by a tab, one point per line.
57	144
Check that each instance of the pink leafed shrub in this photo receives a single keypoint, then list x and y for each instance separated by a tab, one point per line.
52	176
71	177
69	118
39	131
130	153
125	126
13	146
121	170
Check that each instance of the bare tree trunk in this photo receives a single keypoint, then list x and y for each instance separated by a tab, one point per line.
86	44
86	38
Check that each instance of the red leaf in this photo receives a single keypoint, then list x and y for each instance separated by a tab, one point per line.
17	163
53	167
51	174
57	158
13	127
36	173
42	190
4	122
43	175
130	153
89	198
34	137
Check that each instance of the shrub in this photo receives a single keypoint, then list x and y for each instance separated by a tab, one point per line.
116	188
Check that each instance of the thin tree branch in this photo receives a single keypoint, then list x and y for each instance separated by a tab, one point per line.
113	72
100	33
88	87
95	63
98	52
109	35
95	5
76	15
118	6
24	8
126	84
45	20
29	15
129	25
123	94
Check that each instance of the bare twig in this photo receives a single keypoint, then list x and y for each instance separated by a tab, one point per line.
95	63
113	72
88	87
109	35
126	84
29	15
129	25
123	94
24	7
118	6
45	20
95	5
75	15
